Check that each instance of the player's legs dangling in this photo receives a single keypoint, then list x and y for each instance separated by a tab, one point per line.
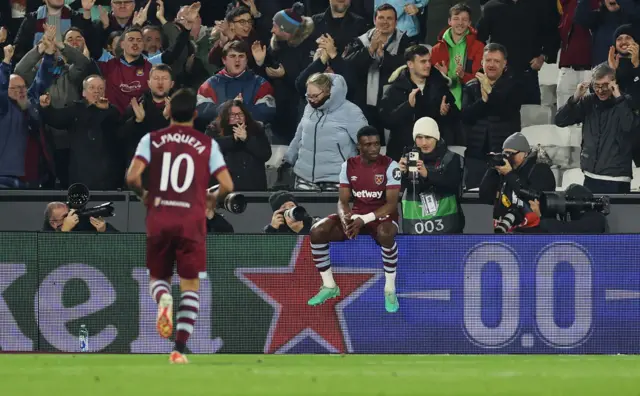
322	233
385	236
160	290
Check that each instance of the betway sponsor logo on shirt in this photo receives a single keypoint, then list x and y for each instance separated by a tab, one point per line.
367	194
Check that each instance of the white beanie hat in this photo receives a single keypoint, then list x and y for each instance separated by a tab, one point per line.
426	126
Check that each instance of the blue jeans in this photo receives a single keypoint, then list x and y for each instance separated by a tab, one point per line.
11	182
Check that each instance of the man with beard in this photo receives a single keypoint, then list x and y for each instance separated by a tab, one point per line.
152	36
236	81
53	13
607	122
19	119
602	22
338	22
149	113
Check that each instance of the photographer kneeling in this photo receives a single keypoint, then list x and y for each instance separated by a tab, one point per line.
58	217
288	217
432	177
515	171
578	212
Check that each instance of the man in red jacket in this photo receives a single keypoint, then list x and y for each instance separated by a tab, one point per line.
458	53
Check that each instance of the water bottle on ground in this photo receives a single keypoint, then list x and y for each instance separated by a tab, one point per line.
84	339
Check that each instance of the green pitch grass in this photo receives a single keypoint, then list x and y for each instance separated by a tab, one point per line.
306	375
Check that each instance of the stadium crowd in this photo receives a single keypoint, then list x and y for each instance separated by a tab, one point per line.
82	81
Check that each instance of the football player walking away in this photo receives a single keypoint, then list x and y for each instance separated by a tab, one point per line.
180	160
374	182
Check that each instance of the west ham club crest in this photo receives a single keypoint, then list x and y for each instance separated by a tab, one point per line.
379	179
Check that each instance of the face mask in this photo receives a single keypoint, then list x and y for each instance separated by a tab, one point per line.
320	103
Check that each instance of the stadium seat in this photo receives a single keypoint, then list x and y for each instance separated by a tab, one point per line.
571	176
561	144
548	75
458	149
536	115
635	182
277	153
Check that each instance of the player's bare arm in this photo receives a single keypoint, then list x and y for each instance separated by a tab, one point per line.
393	196
134	178
344	208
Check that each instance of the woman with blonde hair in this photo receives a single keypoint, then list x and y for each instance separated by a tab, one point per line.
326	134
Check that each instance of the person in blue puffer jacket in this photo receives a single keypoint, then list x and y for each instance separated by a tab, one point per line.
326	135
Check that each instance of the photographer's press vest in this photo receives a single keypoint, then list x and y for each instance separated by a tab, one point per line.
430	212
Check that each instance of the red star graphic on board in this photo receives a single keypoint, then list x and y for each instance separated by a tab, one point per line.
288	289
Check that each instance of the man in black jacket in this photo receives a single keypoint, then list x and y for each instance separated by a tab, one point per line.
490	111
415	92
281	201
91	123
529	31
504	186
290	49
380	51
607	124
340	23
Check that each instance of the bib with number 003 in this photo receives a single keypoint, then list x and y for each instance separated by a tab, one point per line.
427	213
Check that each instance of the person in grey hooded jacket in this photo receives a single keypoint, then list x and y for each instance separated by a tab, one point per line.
326	135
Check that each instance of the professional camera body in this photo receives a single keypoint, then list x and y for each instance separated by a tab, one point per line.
496	159
77	198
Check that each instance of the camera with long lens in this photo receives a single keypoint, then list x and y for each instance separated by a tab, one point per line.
233	202
77	199
560	203
507	222
297	213
496	159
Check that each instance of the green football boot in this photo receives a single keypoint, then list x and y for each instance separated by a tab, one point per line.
391	303
323	295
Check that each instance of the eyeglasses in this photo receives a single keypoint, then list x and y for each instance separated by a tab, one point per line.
600	87
314	97
244	22
236	115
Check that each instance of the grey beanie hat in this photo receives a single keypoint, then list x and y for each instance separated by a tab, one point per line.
290	19
517	142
